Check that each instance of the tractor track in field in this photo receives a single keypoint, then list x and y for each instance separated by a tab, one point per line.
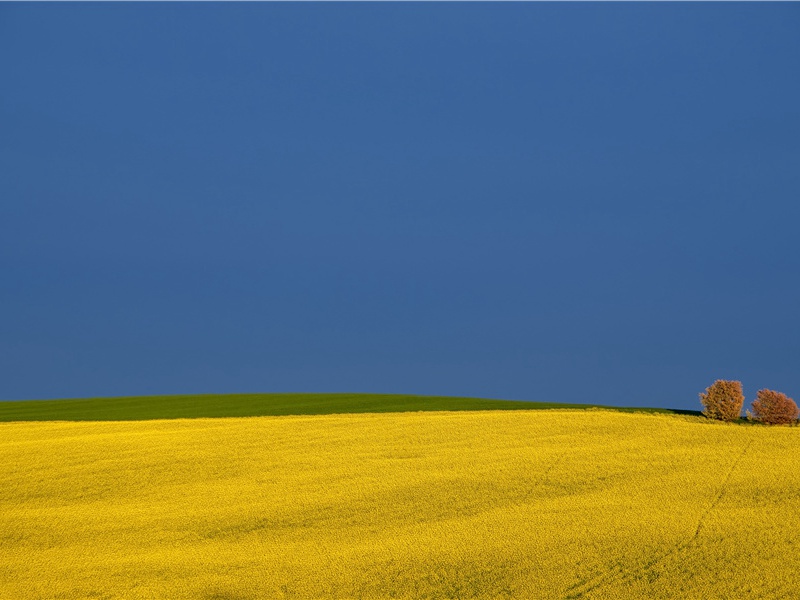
618	574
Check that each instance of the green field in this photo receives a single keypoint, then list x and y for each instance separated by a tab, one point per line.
145	408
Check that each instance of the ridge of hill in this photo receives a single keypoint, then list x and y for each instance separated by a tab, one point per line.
142	408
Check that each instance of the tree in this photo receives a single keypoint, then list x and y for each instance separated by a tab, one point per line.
723	400
773	408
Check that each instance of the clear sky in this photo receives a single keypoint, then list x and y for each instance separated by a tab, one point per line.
558	202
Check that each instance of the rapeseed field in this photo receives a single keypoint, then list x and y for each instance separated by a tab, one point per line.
491	504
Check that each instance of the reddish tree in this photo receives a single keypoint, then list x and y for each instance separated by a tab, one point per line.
723	400
774	408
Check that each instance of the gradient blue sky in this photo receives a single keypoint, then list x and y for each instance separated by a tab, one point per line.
560	202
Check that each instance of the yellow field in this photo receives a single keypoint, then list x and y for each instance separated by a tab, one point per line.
539	504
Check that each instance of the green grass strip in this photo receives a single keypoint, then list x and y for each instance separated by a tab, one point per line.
142	408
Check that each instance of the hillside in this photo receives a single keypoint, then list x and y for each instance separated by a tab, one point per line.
472	504
139	408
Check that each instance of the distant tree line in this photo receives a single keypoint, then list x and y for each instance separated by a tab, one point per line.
723	400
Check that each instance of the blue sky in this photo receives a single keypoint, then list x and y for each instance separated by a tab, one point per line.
559	202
